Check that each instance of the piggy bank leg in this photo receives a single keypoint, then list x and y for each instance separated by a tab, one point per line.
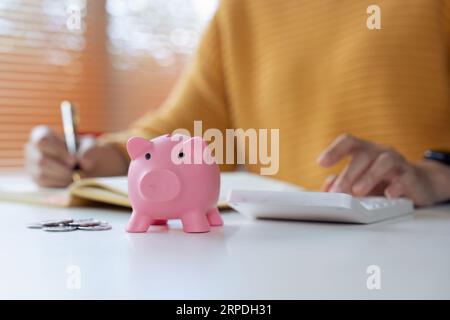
138	222
195	221
214	217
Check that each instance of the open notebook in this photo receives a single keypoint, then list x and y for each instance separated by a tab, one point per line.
114	190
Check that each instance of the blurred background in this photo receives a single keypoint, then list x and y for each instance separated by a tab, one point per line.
115	59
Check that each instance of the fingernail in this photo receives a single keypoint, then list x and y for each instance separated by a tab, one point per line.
322	160
336	189
390	193
359	187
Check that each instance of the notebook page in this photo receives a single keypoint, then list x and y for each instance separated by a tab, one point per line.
19	187
116	184
228	180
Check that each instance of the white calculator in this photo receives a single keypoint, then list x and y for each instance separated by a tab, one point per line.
316	206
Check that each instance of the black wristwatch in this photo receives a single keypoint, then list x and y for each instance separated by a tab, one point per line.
438	155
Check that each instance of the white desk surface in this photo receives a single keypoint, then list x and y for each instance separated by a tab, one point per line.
245	259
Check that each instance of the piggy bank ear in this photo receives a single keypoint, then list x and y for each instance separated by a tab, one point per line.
136	146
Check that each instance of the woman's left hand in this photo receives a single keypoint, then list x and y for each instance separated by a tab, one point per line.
378	170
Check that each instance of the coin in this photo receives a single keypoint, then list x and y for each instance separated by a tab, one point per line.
60	228
101	227
68	224
34	225
85	223
56	222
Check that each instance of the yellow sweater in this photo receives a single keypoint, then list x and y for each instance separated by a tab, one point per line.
314	70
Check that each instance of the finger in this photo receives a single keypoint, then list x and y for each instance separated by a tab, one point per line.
35	157
56	148
406	185
87	155
340	148
48	143
48	182
51	168
359	163
395	190
328	183
381	169
39	132
46	177
37	161
45	171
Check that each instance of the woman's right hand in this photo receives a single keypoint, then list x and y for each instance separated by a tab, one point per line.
47	160
50	164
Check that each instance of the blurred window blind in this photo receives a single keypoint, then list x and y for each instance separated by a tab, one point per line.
149	42
115	59
49	51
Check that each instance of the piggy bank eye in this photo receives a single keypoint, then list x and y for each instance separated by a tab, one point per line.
148	156
181	155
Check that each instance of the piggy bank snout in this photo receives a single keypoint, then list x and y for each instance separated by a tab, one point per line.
159	185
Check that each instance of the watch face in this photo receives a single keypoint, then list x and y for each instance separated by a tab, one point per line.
438	155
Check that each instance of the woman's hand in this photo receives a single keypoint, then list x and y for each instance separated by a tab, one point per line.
378	170
50	164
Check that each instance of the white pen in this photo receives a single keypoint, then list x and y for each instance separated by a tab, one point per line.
68	114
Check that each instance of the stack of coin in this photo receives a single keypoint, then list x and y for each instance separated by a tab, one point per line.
67	224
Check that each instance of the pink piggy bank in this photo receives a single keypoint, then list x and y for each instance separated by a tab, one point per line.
173	177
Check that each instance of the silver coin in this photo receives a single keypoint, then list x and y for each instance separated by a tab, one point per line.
85	223
101	227
60	228
34	225
56	222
